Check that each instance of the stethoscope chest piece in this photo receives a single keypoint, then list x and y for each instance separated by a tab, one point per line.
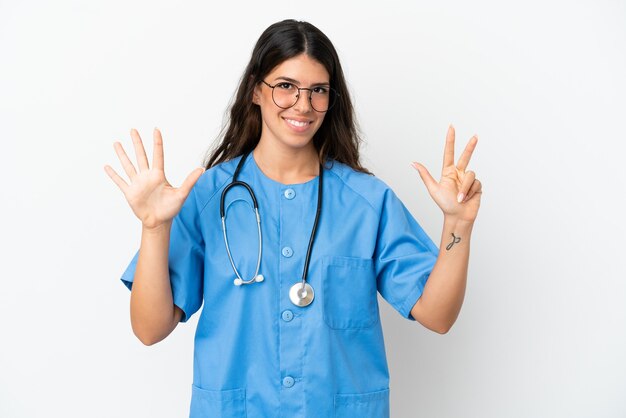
301	296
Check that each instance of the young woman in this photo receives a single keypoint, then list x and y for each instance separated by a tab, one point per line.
286	240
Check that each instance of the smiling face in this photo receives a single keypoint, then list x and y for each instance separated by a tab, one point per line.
294	127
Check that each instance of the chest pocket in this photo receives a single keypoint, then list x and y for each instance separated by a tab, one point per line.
349	292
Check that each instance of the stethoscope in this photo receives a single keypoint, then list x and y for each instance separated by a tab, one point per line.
301	293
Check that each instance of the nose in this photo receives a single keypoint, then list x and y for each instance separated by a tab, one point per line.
303	101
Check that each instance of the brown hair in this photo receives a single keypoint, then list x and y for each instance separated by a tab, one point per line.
337	138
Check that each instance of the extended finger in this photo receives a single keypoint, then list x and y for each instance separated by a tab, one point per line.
140	152
116	178
466	184
157	150
428	180
448	152
467	153
477	187
128	166
191	179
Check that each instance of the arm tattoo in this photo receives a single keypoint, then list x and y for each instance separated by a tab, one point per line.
455	240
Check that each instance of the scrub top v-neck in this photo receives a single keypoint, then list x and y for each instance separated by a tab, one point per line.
255	353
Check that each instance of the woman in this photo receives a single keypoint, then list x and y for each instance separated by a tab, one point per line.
290	325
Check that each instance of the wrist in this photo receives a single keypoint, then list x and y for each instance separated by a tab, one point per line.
158	229
457	225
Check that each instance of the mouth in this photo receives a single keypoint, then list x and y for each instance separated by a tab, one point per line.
298	125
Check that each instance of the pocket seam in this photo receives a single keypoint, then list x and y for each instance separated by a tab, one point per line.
228	395
350	398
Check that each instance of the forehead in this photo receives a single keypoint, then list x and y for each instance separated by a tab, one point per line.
302	68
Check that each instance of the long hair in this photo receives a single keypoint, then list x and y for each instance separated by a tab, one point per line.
337	138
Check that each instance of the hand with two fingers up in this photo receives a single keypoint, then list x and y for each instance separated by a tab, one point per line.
458	192
151	197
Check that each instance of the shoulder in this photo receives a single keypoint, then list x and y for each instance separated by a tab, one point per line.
213	181
364	186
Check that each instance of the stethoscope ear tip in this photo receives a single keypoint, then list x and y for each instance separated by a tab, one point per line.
259	278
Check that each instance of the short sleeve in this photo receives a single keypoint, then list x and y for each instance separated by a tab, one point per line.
404	257
186	259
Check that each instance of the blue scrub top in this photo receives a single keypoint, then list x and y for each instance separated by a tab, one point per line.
258	355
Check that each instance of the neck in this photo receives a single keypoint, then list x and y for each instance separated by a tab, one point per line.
287	165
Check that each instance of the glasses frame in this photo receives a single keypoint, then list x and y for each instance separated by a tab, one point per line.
332	91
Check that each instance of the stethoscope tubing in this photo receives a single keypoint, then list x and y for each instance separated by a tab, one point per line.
256	278
314	230
240	280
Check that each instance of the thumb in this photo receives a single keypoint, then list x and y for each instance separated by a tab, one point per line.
191	179
428	180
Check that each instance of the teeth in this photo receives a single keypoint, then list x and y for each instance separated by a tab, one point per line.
297	123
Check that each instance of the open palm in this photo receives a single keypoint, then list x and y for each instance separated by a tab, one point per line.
151	197
458	192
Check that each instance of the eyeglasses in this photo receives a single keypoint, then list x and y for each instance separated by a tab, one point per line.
285	95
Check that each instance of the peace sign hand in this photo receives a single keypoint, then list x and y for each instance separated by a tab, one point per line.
458	192
152	198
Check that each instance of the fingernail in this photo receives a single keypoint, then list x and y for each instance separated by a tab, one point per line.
459	198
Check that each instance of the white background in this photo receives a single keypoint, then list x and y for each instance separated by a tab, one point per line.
543	329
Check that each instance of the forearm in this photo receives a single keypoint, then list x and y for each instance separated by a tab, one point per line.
439	306
151	302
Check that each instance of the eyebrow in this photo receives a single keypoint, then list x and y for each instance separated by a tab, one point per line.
291	80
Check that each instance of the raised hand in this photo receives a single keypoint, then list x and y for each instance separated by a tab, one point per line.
152	198
458	192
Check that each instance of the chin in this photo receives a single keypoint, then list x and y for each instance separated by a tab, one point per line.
299	143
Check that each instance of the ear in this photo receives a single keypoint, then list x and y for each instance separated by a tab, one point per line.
256	95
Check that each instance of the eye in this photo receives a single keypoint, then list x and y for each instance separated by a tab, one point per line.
284	86
320	90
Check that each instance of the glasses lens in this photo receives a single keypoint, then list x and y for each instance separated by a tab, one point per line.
322	98
285	95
